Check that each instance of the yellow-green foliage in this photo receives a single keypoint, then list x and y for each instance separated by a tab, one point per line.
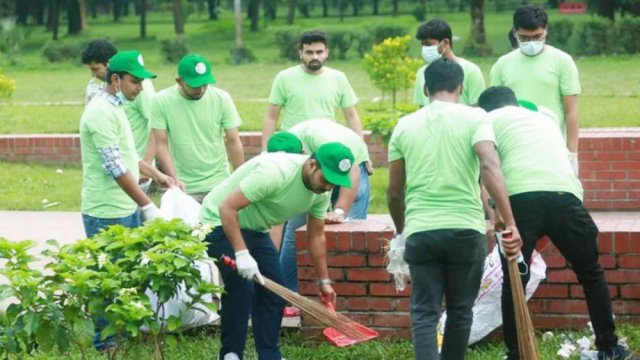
7	86
390	67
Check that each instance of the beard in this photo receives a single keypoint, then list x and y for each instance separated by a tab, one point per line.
314	65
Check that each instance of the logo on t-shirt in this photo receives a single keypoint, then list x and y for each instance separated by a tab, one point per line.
344	165
140	61
201	68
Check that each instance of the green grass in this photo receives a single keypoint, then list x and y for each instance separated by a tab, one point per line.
204	344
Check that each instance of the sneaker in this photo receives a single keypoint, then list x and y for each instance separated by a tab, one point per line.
230	356
290	311
618	352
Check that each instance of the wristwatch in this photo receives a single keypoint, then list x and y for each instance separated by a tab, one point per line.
324	282
338	211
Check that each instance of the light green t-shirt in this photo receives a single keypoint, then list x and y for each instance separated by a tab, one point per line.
304	96
441	166
472	85
195	132
105	124
532	151
543	79
138	112
272	182
316	132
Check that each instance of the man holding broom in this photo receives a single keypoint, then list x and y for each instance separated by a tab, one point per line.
546	198
436	155
266	191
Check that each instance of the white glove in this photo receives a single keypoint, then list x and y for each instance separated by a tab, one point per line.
150	212
247	266
573	158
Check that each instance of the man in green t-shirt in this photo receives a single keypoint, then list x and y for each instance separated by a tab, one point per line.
437	42
196	126
541	73
266	191
310	90
436	156
546	198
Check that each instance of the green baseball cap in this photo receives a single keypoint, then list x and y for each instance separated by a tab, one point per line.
528	105
130	62
335	160
195	71
284	141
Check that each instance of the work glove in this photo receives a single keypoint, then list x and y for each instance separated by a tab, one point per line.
573	158
150	212
247	266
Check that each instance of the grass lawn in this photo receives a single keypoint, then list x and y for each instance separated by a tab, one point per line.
205	345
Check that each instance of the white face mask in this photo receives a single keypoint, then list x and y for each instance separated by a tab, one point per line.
531	48
430	53
120	95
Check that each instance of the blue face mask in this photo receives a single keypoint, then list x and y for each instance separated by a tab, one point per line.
531	48
120	95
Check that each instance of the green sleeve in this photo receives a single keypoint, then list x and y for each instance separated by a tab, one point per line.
103	129
158	118
348	97
278	95
569	78
395	152
320	206
231	118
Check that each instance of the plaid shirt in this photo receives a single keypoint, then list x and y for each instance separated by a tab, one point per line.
112	161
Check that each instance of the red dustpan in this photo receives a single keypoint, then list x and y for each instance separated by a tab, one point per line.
341	340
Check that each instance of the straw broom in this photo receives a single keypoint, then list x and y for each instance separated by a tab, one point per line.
314	309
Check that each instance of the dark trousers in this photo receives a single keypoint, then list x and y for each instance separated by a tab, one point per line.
444	263
242	297
562	218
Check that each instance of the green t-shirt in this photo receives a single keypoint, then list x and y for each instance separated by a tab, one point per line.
532	151
472	85
543	79
138	112
195	132
304	96
316	132
441	166
105	124
273	184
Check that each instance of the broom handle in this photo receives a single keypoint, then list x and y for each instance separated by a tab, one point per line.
228	261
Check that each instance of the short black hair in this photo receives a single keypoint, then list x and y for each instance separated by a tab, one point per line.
512	39
313	36
529	17
99	51
110	73
496	97
435	29
443	75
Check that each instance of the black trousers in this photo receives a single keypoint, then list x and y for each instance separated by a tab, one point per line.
562	218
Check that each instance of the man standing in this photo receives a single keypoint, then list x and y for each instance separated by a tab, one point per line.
108	151
352	202
542	74
95	56
546	198
192	124
310	90
436	156
266	191
437	42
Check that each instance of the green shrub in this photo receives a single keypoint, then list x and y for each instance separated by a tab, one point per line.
473	49
174	49
340	42
595	37
242	55
12	39
382	32
288	41
628	34
559	32
420	13
365	43
68	49
382	121
7	87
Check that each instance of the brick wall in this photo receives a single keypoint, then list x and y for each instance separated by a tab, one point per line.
367	294
609	160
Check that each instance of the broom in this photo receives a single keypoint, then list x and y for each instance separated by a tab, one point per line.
315	310
527	344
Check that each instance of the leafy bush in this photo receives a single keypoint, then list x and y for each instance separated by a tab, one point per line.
365	43
382	121
68	49
7	86
595	37
340	41
288	41
559	32
390	67
382	32
420	13
174	49
627	33
242	55
11	39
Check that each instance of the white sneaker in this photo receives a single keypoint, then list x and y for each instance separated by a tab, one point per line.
230	356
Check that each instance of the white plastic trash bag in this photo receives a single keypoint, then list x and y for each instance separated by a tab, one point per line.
397	266
487	310
176	204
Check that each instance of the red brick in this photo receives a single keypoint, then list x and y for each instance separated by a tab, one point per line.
536	305
561	276
554	322
628	205
576	291
607	261
358	241
376	274
309	273
625	244
372	304
376	260
349	289
622	276
596	165
403	304
631	144
625	165
344	241
629	261
347	261
567	306
626	307
603	175
331	241
392	320
597	185
630	292
551	291
606	243
380	289
555	261
610	155
395	334
626	184
611	194
374	242
606	205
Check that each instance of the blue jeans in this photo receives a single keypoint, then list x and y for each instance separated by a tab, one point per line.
444	264
92	226
288	253
242	297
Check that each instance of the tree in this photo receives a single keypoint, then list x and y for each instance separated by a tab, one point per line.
477	22
73	15
143	19
178	19
292	12
253	10
82	7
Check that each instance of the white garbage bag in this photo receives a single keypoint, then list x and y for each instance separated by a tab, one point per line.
176	204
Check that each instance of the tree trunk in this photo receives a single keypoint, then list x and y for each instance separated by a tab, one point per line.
356	7
73	15
55	18
94	9
477	22
143	18
292	12
375	7
606	8
22	10
325	8
237	8
38	12
178	20
82	5
394	7
213	11
117	9
254	14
